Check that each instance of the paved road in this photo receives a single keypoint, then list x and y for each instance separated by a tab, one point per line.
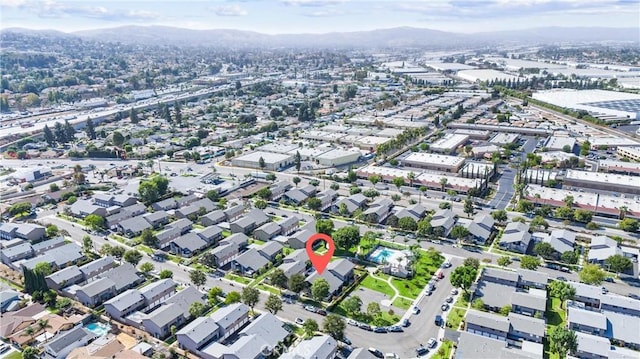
505	190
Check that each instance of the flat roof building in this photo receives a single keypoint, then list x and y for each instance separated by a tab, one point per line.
432	161
619	167
474	134
504	138
558	143
322	135
449	143
338	157
276	147
602	181
272	161
632	153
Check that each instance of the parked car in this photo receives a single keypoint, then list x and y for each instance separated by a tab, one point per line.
609	279
444	307
406	323
352	322
562	279
454	291
565	269
432	343
415	310
605	290
420	351
449	299
380	330
322	312
310	308
346	341
376	353
396	329
365	326
299	321
438	321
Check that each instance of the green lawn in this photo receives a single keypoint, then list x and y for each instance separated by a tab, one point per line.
555	315
13	355
402	303
144	248
455	317
237	278
268	288
444	351
462	301
384	319
426	266
377	285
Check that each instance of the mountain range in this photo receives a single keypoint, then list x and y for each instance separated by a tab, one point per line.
393	37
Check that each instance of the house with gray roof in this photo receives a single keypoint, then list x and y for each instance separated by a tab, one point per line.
58	257
211	234
16	253
253	260
592	346
157	219
9	300
108	284
278	189
481	228
378	210
338	274
184	225
83	207
157	292
249	222
133	226
194	208
532	279
233	212
288	225
48	245
197	334
28	231
361	353
166	236
619	304
134	210
351	203
415	212
443	221
97	266
213	218
64	277
294	263
230	319
326	198
298	240
62	344
267	231
528	304
229	248
320	347
474	346
516	237
513	328
562	240
601	248
123	304
165	205
187	200
187	245
113	220
587	294
174	311
586	321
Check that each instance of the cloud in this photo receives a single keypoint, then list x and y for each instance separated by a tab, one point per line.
12	3
325	13
230	10
52	9
312	3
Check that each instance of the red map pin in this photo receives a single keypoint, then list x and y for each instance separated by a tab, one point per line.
320	261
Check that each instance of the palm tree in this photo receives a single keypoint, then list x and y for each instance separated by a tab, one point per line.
28	332
443	183
623	211
411	176
43	324
423	189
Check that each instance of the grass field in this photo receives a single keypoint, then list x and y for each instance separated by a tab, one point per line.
555	315
444	351
237	278
384	319
425	267
378	285
455	318
402	303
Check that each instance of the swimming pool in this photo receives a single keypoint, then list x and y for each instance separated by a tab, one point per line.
98	329
382	254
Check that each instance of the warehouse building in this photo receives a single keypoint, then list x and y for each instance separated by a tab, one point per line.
272	161
309	153
608	105
478	170
611	142
504	138
322	136
474	134
602	181
629	168
432	161
429	180
338	157
277	147
449	143
632	153
558	143
371	143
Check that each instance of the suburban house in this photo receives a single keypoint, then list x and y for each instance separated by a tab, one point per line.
165	205
415	212
378	210
157	219
213	218
443	221
524	291
62	344
516	237
320	347
107	200
294	263
133	226
253	260
288	225
173	311
217	327
267	231
58	257
586	321
601	248
481	228
561	240
250	221
27	231
187	200
211	234
338	274
107	285
201	206
326	198
278	189
9	300
298	196
75	275
351	203
132	300
187	245
233	212
299	239
83	207
512	329
229	248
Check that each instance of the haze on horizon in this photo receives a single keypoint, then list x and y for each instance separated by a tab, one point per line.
319	16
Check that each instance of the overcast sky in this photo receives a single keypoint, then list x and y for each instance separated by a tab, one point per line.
319	16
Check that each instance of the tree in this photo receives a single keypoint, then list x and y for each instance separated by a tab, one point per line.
270	177
118	251
42	325
90	129
582	215
197	309
69	131
459	232
48	135
250	296
443	183
563	341
628	225
213	195
298	161
54	187
264	193
324	226
618	263
165	273
538	222
468	207
296	283
424	226
320	289
197	277
505	310
51	231
262	163
398	181
148	191
30	352
570	257
346	237
463	277
149	238
477	304
544	250
504	261
564	212
278	278
132	256
334	326
591	274
314	203
43	268
146	267
117	138
352	304
29	331
529	262
373	309
310	327
273	304
408	224
94	221
471	262
444	205
296	180
213	296
260	204
232	297
562	291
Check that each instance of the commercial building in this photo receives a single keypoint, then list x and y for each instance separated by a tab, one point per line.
322	136
449	143
612	142
430	180
623	167
608	105
338	157
432	161
272	161
632	153
558	143
278	147
474	134
504	138
602	181
309	153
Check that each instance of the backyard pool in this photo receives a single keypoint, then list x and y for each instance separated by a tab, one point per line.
382	254
98	329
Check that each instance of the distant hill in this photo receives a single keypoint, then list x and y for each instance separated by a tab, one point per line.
394	37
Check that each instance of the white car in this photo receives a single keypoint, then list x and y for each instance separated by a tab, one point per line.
299	321
352	322
432	343
415	310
